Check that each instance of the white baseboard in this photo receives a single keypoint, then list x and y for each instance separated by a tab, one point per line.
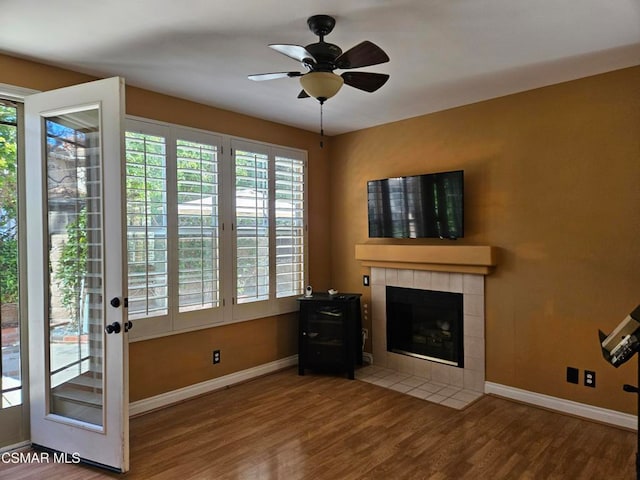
181	394
16	446
599	414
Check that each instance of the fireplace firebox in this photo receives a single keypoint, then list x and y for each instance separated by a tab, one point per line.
425	324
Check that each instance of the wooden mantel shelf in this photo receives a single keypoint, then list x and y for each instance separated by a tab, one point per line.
478	259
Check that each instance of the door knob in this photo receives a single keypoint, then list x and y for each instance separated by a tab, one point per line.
115	302
113	328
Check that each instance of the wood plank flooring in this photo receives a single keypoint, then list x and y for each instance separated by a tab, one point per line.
283	426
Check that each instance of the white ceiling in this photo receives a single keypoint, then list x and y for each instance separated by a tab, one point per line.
444	53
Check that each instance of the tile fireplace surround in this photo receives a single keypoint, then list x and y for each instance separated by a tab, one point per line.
456	269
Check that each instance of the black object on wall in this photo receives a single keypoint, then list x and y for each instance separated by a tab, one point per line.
420	206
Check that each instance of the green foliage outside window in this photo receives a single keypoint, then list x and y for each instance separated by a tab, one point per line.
71	271
8	206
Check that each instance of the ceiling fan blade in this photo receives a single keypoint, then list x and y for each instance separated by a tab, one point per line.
362	55
258	77
303	94
369	82
296	52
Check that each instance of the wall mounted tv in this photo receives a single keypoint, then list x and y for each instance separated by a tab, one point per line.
419	206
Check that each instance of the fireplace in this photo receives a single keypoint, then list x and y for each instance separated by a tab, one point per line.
470	374
442	268
425	324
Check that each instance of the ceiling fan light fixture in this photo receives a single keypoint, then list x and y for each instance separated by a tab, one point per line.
321	85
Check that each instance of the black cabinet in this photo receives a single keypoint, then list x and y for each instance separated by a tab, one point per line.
329	333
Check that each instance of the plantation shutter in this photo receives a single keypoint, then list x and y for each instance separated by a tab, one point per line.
251	225
198	214
289	229
146	224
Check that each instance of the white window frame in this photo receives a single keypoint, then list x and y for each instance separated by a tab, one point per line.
273	305
12	94
229	311
15	419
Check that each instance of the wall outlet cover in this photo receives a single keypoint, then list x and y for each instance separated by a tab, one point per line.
573	375
590	378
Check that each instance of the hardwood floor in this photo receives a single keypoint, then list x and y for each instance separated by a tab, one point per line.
283	426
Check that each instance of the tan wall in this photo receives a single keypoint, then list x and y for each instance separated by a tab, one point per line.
551	178
176	361
168	363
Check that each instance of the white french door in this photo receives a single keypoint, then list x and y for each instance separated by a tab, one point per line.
77	321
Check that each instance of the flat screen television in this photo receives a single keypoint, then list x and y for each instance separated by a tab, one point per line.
419	206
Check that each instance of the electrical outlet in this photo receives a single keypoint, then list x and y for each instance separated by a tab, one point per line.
573	375
216	356
590	378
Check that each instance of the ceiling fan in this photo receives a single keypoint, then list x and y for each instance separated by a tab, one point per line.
322	58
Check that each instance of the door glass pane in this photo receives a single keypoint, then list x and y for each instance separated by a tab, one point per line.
10	378
74	191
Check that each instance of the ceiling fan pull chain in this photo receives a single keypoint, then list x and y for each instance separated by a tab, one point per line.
321	127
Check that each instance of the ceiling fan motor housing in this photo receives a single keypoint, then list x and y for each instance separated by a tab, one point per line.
325	55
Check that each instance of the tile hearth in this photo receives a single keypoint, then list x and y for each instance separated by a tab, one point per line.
423	388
